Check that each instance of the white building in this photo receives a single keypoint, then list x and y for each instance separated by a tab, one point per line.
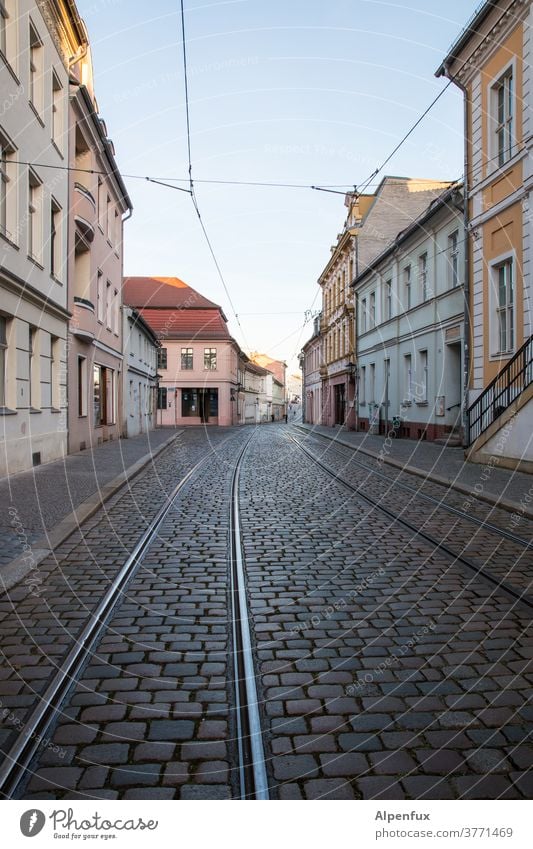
36	41
139	373
311	360
410	328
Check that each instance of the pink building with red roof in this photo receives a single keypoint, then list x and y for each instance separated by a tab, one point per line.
198	359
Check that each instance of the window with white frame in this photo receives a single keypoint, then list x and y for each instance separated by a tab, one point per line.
82	386
7	188
36	70
55	239
100	297
363	316
453	259
210	359
372	309
55	373
116	311
57	111
422	394
505	305
3	359
423	275
34	369
109	219
35	217
101	204
372	387
387	299
108	306
362	385
407	287
503	116
408	378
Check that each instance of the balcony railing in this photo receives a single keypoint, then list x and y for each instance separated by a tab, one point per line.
506	387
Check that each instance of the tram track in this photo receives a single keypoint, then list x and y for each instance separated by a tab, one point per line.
40	719
519	595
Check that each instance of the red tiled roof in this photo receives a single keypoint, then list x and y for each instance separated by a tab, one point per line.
159	292
187	324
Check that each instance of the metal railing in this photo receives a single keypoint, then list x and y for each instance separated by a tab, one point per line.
511	381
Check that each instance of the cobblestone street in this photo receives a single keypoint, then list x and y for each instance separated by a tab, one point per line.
387	665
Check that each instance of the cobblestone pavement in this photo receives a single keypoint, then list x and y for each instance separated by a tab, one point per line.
33	502
508	560
37	630
384	669
434	459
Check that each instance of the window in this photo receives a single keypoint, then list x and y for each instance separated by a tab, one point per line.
372	388
162	358
453	259
7	191
363	316
423	276
161	397
189	402
386	380
372	309
34	371
408	379
505	306
101	204
57	111
362	385
503	107
109	219
103	395
186	359
407	287
423	389
100	297
35	223
82	386
387	306
210	359
55	373
116	234
3	358
108	306
55	239
116	311
36	70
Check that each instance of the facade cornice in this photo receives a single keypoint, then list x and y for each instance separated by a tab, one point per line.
29	293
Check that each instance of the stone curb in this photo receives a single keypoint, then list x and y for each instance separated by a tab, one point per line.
503	503
12	573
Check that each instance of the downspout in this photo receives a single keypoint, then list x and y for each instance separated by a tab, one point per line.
466	289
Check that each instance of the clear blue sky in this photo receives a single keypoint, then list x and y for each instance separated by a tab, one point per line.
299	91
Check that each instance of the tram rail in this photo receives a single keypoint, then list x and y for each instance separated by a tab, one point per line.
511	590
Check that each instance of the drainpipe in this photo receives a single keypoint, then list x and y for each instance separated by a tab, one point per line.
466	291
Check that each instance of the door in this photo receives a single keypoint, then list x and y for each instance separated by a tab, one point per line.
340	404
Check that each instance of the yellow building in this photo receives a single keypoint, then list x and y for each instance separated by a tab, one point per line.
491	63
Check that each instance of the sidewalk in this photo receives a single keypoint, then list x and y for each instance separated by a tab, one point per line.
37	507
502	487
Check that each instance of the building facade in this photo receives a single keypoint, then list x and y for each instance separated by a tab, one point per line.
198	359
37	40
311	359
491	63
99	204
139	372
410	314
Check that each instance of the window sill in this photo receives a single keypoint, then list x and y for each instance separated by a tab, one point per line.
34	410
55	410
11	69
6	411
57	148
56	279
421	403
36	113
406	403
9	241
35	261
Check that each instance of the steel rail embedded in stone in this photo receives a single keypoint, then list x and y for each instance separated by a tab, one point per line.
20	754
521	597
252	771
487	526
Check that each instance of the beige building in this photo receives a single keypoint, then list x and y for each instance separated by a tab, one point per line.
99	204
37	41
491	63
